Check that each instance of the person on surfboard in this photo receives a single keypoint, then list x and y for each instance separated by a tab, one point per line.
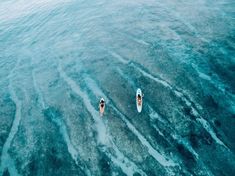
102	106
139	100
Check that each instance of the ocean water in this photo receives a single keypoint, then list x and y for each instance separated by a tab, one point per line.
59	57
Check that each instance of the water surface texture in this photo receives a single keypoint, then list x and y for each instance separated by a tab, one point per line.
59	57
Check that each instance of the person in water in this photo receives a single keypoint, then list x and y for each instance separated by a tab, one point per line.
139	99
102	103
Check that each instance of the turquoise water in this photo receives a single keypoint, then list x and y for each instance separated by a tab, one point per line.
58	58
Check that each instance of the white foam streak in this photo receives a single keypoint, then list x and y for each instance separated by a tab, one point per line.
207	127
204	123
117	56
154	153
59	122
125	164
102	134
6	160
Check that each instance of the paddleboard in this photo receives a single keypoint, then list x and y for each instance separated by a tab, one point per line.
139	101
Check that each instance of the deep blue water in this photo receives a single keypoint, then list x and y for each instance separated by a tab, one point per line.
58	58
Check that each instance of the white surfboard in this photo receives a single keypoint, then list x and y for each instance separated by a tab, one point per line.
139	101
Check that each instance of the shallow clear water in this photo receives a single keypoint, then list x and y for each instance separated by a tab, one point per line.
58	58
